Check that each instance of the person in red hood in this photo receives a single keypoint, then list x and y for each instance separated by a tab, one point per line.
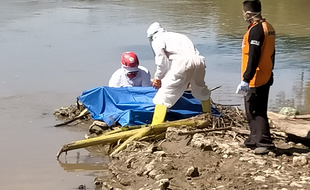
131	73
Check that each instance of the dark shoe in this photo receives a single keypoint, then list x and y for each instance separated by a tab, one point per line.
262	150
242	145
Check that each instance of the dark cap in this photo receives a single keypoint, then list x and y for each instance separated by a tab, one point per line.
252	6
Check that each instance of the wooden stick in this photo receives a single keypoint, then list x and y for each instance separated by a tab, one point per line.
241	131
247	132
82	114
215	88
204	131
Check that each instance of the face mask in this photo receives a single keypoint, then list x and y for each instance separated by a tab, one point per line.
132	75
246	15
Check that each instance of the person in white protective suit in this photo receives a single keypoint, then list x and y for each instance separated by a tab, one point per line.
178	64
130	73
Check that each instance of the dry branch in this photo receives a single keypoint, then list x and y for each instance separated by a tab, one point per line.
82	114
204	131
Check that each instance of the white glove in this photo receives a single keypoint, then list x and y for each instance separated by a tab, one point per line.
242	88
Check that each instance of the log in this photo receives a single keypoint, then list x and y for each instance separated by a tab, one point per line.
155	129
289	125
299	128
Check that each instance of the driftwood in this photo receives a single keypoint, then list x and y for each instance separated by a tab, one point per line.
289	125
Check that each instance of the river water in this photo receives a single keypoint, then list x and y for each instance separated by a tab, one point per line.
53	50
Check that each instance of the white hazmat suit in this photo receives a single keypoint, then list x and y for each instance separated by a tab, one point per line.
178	64
120	78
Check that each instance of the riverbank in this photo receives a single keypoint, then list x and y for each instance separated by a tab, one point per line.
210	160
207	161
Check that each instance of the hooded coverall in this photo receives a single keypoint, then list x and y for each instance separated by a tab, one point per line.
258	51
120	78
178	64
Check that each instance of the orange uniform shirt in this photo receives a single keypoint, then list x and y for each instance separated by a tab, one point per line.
258	51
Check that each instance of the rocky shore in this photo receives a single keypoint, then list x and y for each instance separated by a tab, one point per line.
206	161
186	160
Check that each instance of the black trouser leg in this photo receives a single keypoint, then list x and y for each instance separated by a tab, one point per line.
256	104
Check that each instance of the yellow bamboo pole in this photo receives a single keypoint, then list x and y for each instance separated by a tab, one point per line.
104	139
153	137
144	130
126	128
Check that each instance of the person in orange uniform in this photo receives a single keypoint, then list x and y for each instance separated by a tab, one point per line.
258	55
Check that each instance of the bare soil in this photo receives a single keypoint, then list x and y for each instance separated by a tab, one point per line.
207	161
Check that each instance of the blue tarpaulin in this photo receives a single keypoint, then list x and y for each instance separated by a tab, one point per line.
134	105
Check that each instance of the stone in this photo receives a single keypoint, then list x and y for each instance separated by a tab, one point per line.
149	167
300	161
172	134
295	184
124	179
106	186
167	167
272	154
139	172
218	177
305	178
200	142
261	162
289	111
153	173
244	159
192	172
158	177
160	153
260	178
129	162
164	184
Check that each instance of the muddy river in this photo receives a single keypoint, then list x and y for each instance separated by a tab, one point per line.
53	50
